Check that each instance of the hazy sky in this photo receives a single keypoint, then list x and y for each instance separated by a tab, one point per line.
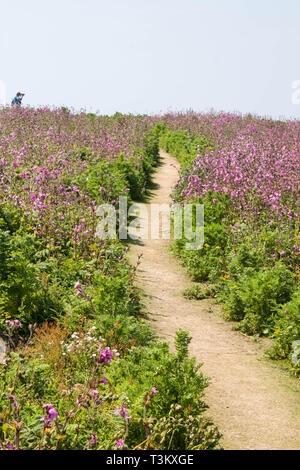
153	55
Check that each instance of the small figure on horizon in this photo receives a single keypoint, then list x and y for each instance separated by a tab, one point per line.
17	101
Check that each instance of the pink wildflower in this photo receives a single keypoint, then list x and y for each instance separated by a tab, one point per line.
105	356
120	443
122	412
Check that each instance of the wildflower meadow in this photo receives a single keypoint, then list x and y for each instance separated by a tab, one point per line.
82	368
245	170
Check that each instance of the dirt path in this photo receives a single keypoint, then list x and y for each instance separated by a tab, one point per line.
2	351
254	404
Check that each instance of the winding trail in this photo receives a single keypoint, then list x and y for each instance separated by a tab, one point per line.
255	404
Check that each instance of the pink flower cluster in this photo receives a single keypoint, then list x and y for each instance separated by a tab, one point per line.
50	414
153	392
122	412
120	443
44	152
14	324
254	161
105	357
78	288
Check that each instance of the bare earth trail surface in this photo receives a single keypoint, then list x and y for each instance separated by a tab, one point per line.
254	403
2	351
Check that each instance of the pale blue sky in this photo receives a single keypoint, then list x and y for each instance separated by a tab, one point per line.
147	56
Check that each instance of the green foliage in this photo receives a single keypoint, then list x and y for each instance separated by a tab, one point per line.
207	262
197	292
254	297
182	341
296	353
180	386
183	145
124	331
109	175
120	175
170	418
24	291
287	331
178	431
112	296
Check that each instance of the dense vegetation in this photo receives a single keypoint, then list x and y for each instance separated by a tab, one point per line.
83	370
246	172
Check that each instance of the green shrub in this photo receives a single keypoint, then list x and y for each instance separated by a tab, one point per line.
197	292
24	291
254	298
180	389
286	328
163	393
183	145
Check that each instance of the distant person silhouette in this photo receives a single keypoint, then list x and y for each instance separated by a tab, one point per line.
17	101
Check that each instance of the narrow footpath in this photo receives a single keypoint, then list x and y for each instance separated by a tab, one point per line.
255	404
